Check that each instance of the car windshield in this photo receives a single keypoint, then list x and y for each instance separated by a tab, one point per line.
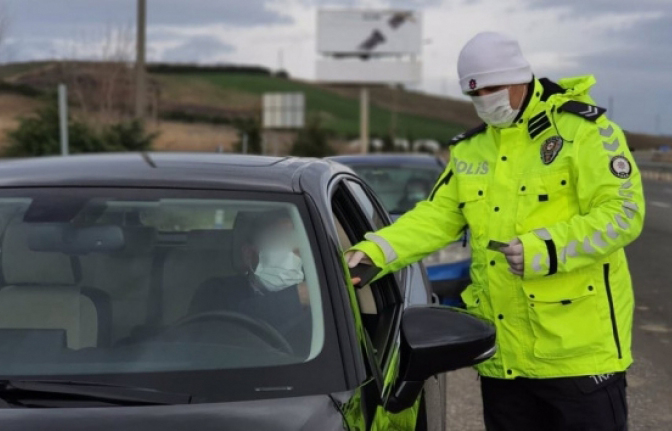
399	187
113	282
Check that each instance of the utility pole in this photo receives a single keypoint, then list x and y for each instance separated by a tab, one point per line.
364	119
610	109
63	118
393	112
140	72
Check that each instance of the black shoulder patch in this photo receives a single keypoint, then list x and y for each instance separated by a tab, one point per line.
468	134
589	112
549	88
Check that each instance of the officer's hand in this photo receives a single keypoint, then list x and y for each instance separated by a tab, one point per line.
354	258
515	256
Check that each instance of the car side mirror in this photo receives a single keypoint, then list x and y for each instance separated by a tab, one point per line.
434	340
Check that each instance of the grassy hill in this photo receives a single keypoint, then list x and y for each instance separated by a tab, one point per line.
338	108
198	105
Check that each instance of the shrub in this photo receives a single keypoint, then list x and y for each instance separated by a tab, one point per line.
313	140
252	128
39	135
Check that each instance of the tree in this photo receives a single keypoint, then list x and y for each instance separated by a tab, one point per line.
313	140
252	128
103	89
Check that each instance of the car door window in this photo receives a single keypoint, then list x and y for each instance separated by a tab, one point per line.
367	304
380	302
375	213
367	205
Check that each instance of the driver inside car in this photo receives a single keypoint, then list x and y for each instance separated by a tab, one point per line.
270	282
416	190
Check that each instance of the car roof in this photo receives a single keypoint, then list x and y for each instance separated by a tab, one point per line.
391	159
169	170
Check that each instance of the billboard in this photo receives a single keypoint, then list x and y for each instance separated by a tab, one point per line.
283	110
356	71
369	32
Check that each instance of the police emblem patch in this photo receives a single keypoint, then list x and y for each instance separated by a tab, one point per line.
550	149
620	167
472	84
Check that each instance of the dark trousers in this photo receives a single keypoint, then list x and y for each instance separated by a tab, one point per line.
594	403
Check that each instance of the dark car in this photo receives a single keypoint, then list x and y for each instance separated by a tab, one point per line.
401	181
209	292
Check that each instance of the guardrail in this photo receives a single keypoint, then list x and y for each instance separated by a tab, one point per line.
660	171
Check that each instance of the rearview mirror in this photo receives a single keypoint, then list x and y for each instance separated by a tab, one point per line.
69	239
434	340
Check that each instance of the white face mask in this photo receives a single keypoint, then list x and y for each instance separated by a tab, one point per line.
495	108
278	268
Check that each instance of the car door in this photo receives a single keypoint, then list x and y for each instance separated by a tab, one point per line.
379	304
411	283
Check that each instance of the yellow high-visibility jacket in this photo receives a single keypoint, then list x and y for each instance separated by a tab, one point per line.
563	181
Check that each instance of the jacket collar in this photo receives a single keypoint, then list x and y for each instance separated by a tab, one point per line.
535	92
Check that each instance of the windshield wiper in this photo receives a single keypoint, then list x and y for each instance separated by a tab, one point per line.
22	392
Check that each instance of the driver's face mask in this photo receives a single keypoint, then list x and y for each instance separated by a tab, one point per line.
278	267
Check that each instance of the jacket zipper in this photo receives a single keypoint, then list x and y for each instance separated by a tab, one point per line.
614	326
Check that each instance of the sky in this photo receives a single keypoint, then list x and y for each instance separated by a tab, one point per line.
626	44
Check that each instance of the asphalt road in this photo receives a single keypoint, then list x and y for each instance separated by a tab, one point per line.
650	378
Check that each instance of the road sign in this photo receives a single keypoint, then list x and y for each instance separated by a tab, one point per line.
284	110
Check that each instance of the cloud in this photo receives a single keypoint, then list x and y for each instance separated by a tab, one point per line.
625	43
62	13
200	49
631	58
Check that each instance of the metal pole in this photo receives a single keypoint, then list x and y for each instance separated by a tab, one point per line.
140	72
364	120
610	110
244	143
393	113
63	117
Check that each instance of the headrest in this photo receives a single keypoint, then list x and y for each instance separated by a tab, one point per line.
21	265
242	233
209	239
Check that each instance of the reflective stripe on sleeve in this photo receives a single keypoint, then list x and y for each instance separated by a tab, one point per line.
388	251
621	223
552	260
587	246
611	232
536	263
597	239
630	208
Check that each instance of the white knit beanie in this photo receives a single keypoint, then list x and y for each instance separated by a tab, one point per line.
491	59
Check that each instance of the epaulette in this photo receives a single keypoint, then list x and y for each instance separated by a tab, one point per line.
468	134
585	110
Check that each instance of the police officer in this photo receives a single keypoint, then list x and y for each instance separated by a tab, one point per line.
549	175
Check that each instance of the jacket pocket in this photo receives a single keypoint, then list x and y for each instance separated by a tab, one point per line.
543	200
472	197
471	296
564	317
612	312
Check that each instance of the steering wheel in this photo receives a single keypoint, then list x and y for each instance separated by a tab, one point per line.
259	328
